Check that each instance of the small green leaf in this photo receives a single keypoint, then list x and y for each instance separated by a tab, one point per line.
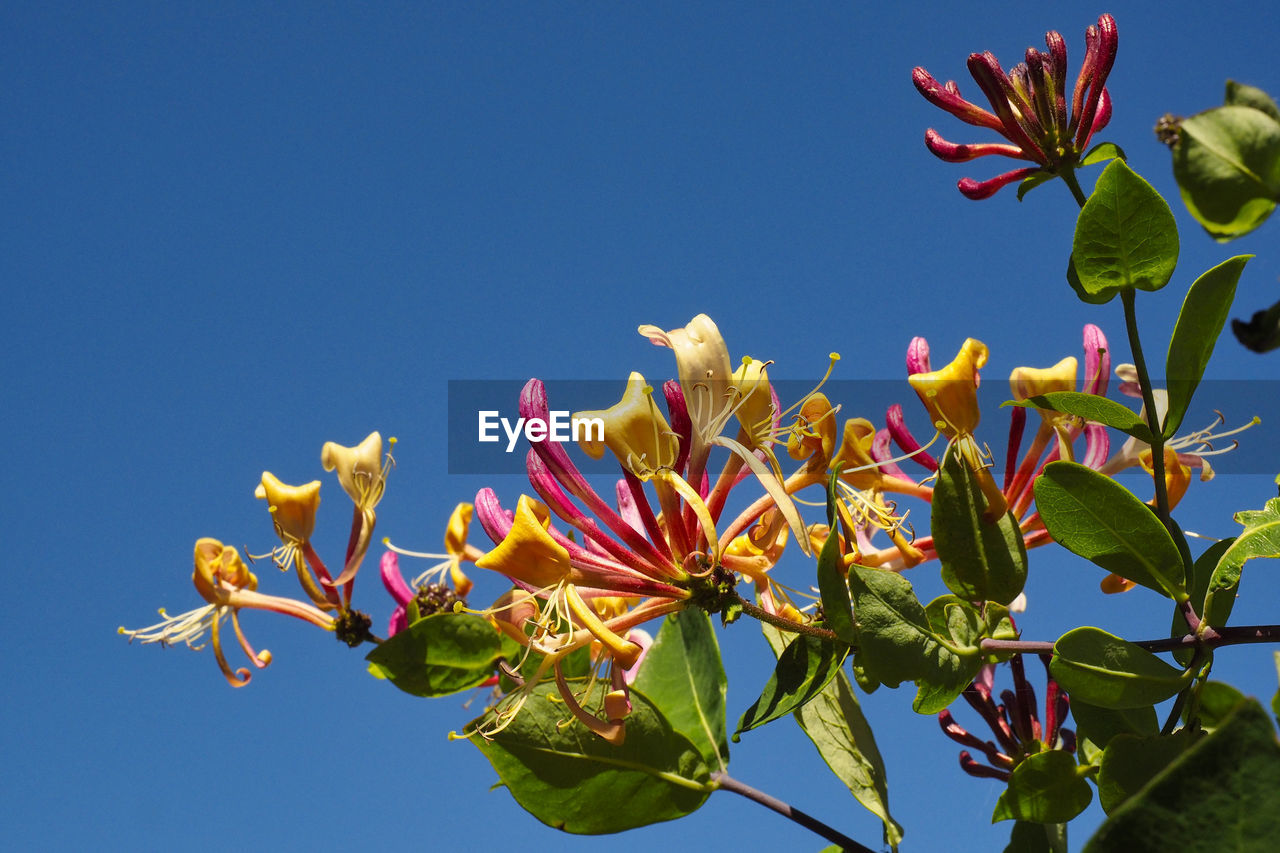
1241	95
1101	725
1227	165
980	561
897	643
1262	332
1130	762
1091	407
1032	181
683	676
1216	702
834	722
1046	788
1101	153
1204	313
439	654
1126	236
1092	515
806	667
837	614
1221	794
1260	538
1104	670
1028	837
570	779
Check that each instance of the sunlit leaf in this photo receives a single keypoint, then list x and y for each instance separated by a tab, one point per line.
804	668
1091	407
1125	236
1104	670
439	654
1227	164
1260	538
1049	787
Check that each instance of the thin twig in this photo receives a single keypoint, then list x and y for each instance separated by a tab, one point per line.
728	783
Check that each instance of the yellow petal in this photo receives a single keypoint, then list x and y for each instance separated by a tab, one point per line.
756	410
634	430
951	394
293	508
216	564
528	553
359	468
854	460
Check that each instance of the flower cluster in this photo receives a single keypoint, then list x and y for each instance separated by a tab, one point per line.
1029	108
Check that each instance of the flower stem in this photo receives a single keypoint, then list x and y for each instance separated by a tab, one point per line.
1069	178
782	623
1229	636
728	783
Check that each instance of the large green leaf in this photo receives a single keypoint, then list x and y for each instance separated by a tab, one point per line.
897	643
1130	762
1260	538
833	720
1204	313
1091	407
437	655
1049	787
682	674
1028	837
1125	236
981	561
570	779
804	668
1092	515
1104	670
1220	796
1227	164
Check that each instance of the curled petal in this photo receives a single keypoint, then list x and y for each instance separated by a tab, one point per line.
918	356
897	426
954	152
978	190
1097	361
948	98
393	580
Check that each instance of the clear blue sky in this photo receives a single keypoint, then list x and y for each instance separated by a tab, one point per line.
232	233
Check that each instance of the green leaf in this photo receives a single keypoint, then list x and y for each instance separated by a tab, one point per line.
832	586
1032	181
1046	788
806	667
1028	837
1091	407
1275	700
1201	572
683	676
981	561
1092	515
834	722
1125	236
1216	702
1101	153
440	654
1227	164
1204	313
1262	332
570	779
1260	538
1104	670
1101	725
959	620
1222	794
1130	762
1073	279
896	642
1240	95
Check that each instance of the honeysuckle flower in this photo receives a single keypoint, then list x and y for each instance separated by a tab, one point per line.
362	471
227	586
950	395
293	514
702	363
635	431
1029	108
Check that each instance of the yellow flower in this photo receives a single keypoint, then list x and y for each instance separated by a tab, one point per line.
634	430
361	469
528	553
951	394
293	508
702	362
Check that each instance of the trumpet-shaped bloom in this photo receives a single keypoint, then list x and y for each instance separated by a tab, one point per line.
362	471
227	586
292	508
1030	107
635	431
